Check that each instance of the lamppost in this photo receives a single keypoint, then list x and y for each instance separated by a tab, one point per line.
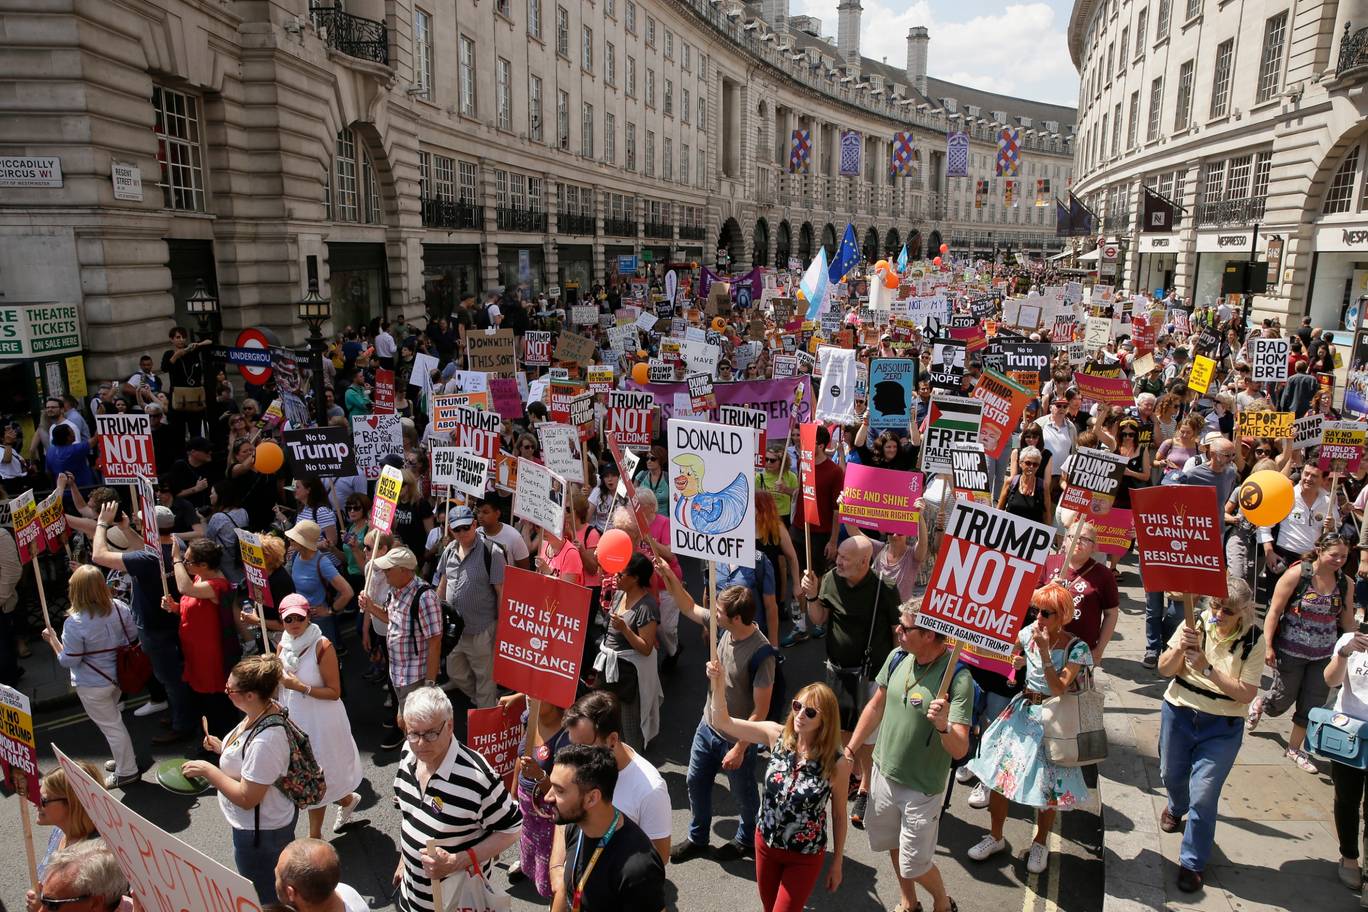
315	310
204	307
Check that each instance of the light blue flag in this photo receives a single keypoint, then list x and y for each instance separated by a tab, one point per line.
902	259
847	255
813	285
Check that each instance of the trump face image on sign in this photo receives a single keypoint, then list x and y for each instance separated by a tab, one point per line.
712	509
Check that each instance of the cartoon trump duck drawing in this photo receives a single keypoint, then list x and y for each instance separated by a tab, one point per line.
712	513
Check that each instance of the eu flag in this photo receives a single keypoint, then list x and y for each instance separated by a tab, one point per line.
847	255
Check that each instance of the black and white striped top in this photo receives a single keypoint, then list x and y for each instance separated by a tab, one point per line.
464	802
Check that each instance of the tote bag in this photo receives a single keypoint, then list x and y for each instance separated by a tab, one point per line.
1073	731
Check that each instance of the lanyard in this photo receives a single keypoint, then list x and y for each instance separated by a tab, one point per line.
593	859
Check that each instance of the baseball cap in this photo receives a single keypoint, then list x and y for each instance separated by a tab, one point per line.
396	557
166	520
462	516
294	603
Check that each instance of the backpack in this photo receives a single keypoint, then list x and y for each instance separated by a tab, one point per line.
778	704
481	317
1304	583
453	624
303	782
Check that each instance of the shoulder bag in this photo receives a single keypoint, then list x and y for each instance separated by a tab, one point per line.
1073	731
1338	737
132	667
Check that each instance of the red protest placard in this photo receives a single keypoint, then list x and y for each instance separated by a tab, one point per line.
542	625
497	733
1003	402
1106	390
125	447
383	403
984	575
1115	531
1178	539
807	472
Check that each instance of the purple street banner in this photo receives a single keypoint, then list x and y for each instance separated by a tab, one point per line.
881	499
773	397
1106	390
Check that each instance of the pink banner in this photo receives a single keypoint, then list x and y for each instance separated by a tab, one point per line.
881	499
508	402
773	397
1107	390
1115	531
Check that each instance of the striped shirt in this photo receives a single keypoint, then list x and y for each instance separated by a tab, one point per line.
464	802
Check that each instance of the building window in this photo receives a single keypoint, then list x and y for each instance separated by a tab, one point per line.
563	32
631	162
424	175
686	52
563	119
534	108
1270	60
1213	183
609	63
1220	78
667	161
630	87
534	26
1161	21
684	161
587	130
504	8
701	175
630	22
702	113
587	48
504	86
610	8
1116	131
1238	172
346	205
467	77
422	52
1263	164
1133	126
1102	139
468	173
1156	104
1107	70
669	98
444	184
684	113
1182	111
650	153
1141	24
669	45
650	87
650	30
1340	196
178	149
609	138
1123	46
1194	9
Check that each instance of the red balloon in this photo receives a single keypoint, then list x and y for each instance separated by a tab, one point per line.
936	261
944	248
614	551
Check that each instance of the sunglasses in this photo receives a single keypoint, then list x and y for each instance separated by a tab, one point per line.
294	619
800	710
48	903
1045	613
459	529
771	459
46	801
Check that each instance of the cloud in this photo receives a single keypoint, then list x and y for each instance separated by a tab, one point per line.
1019	49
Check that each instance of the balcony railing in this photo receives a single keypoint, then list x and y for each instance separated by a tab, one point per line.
620	227
658	230
692	232
354	36
575	223
1231	212
438	213
1353	50
510	219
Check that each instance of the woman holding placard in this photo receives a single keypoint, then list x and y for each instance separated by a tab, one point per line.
626	661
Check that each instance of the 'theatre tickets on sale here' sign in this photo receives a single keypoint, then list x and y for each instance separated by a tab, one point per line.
1178	539
542	625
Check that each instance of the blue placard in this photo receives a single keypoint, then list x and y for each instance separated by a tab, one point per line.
892	391
627	265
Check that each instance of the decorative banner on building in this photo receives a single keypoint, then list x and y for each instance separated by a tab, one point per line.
712	506
1268	359
851	146
1178	539
1094	481
980	193
1008	159
322	452
900	162
1042	191
125	447
957	154
1341	447
1277	425
1003	404
1009	194
540	497
951	422
881	499
543	622
800	152
893	385
984	575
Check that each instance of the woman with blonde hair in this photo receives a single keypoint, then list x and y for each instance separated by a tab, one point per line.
96	626
59	806
806	772
774	540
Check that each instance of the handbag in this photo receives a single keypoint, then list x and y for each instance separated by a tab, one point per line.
132	667
187	399
1073	731
1338	737
465	892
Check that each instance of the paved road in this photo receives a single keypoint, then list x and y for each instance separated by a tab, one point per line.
368	847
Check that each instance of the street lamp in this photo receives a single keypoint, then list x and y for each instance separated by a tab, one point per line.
204	307
315	310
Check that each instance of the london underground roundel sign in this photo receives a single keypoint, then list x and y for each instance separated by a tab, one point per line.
253	338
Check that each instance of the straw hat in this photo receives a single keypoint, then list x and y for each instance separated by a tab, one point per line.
306	534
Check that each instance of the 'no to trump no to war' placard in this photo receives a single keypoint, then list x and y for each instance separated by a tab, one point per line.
984	576
1178	539
712	506
542	626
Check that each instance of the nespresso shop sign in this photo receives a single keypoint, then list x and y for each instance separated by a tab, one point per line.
1331	238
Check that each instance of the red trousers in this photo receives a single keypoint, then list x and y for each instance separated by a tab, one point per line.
785	878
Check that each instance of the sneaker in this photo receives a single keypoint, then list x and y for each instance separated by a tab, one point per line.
1302	760
853	786
963	775
857	810
1189	881
818	631
149	708
793	638
393	740
113	781
1038	858
1151	659
110	766
729	851
345	811
1351	877
1256	709
978	798
685	850
986	847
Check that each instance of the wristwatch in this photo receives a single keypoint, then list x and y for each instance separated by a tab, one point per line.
1206	672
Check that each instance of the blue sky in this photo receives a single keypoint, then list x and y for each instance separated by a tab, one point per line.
1017	49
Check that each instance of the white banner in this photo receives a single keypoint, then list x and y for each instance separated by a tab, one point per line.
540	497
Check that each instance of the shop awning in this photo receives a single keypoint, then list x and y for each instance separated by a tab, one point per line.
1061	256
1092	256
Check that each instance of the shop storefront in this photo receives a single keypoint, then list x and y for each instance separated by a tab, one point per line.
451	272
611	252
522	266
575	265
1339	273
41	355
1214	250
655	253
1157	261
358	283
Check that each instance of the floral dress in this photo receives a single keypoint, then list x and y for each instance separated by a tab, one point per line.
793	803
1011	758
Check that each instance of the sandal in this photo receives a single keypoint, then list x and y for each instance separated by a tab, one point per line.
1303	761
1256	711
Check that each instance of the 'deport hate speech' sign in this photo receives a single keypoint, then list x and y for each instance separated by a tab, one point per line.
712	505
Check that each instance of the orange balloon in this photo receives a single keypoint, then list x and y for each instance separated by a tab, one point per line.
936	261
719	324
891	280
944	248
641	372
882	264
269	458
614	550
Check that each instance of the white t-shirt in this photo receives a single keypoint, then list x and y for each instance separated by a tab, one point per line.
1353	696
641	795
351	900
384	345
268	756
513	544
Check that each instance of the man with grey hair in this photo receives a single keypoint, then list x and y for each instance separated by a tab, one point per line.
307	879
82	878
447	795
414	636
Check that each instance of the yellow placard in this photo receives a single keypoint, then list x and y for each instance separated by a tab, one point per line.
388	485
1277	425
1203	368
76	378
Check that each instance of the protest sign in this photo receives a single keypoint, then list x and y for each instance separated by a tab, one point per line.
383	400
18	749
1097	332
560	393
970	473
1306	431
623	338
756	420
1203	368
496	733
947	365
147	515
951	422
659	372
52	517
1094	481
28	530
163	872
542	626
254	565
537	348
443	406
836	393
1003	404
700	357
1115	531
892	387
539	497
467	382
373	437
1178	539
504	472
464	472
574	347
386	501
985	572
321	452
599	378
560	446
807	472
582	415
1277	425
712	507
583	315
1028	363
1341	447
1106	390
492	352
126	447
881	499
777	398
785	366
420	373
477	431
628	417
701	397
1062	329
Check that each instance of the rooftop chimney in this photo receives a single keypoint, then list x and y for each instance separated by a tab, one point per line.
848	33
918	43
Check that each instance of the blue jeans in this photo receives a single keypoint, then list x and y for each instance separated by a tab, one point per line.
255	852
1196	752
1162	617
168	667
705	759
